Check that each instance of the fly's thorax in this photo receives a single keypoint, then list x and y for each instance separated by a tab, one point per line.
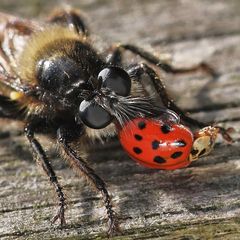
57	57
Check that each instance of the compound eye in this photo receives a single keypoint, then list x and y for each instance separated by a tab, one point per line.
116	79
93	115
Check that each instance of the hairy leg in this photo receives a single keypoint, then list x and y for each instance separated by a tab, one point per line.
81	167
115	59
42	160
140	69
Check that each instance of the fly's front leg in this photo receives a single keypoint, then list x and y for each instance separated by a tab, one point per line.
151	58
81	167
71	18
115	57
138	70
42	160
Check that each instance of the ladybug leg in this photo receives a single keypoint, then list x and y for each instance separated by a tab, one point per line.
71	18
63	136
42	160
151	58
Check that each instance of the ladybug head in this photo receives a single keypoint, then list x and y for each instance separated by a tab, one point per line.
110	100
204	141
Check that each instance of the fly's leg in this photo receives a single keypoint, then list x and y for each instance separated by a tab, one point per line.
64	139
138	70
71	18
42	160
115	58
151	58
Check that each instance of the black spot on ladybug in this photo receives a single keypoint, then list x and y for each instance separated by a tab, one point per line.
202	152
166	128
138	137
180	143
155	144
159	159
194	152
141	125
137	150
176	155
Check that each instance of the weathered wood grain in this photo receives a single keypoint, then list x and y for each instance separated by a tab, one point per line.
200	202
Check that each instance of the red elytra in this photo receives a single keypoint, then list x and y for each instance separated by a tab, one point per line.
155	144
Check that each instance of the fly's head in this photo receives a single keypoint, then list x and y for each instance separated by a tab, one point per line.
110	100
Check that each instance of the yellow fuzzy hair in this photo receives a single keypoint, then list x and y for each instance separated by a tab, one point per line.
38	46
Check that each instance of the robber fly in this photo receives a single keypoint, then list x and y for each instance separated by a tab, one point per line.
53	80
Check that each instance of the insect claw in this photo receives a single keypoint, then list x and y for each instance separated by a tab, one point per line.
60	215
113	228
226	133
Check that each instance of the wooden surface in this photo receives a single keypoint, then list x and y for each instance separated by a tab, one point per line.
200	202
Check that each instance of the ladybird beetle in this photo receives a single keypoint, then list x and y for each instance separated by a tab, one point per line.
156	144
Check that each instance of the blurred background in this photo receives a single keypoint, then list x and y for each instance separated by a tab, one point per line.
153	20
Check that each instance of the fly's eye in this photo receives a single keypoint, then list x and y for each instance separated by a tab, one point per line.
93	115
116	79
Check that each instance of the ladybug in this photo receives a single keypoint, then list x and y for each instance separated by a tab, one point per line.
157	144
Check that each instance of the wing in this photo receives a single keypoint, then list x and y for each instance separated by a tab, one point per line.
14	33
